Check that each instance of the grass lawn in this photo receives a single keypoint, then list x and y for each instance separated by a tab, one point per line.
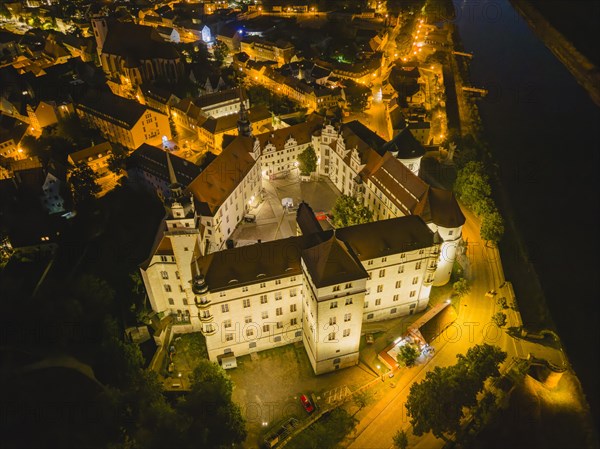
189	350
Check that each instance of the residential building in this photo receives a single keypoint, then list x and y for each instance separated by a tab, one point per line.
96	157
123	121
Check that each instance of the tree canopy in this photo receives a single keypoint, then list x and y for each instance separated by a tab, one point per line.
348	211
408	354
437	403
461	288
83	183
357	96
308	161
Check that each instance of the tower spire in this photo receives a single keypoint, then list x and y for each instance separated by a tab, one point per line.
244	126
175	189
172	177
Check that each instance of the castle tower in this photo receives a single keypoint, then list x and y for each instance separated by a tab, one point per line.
244	125
407	149
334	293
183	230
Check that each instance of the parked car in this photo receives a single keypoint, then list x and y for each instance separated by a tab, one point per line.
306	404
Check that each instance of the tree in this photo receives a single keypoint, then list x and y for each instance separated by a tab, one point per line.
220	51
362	399
308	161
348	211
492	227
408	354
472	184
502	302
499	319
461	288
400	440
357	96
437	403
214	419
83	183
116	161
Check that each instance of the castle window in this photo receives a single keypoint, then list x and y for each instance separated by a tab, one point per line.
412	293
266	327
346	332
293	308
331	336
401	269
224	308
347	317
278	311
332	321
246	303
265	315
171	301
348	301
396	297
167	288
249	332
378	302
381	273
228	337
348	285
380	288
263	299
278	296
333	305
415	280
293	321
418	266
336	288
398	284
247	319
293	292
164	275
227	324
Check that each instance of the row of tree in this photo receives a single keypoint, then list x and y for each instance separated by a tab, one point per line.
440	403
473	188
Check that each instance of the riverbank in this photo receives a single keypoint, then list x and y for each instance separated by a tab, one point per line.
517	266
521	261
582	69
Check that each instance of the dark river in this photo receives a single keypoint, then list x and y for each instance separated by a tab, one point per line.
543	129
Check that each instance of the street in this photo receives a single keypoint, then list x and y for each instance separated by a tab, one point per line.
472	327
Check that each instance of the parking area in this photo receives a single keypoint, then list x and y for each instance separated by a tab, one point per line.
268	385
273	221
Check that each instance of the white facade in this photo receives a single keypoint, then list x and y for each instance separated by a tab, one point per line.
251	315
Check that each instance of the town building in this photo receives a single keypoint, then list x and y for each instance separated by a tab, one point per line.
123	121
135	54
317	287
96	157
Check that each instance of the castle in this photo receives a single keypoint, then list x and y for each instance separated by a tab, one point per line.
317	287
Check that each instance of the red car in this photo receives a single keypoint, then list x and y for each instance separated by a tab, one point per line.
306	404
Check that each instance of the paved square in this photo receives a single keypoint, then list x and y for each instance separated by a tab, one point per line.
273	221
268	385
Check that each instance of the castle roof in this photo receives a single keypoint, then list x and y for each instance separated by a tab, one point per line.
330	258
153	160
405	145
385	237
444	209
220	178
332	262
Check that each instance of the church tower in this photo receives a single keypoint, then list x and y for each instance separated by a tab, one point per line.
182	228
244	126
